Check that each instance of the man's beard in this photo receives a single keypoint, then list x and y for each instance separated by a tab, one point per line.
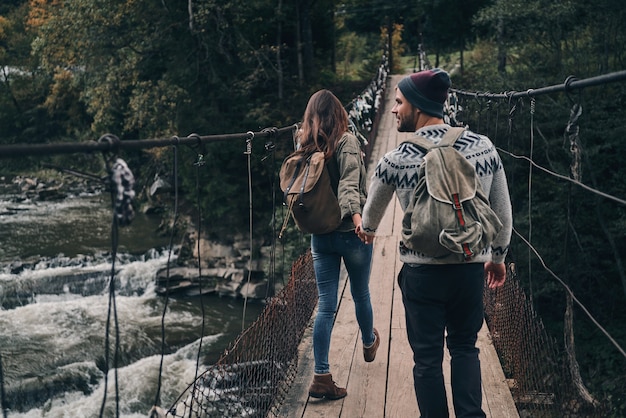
406	125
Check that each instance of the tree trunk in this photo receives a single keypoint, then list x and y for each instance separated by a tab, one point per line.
461	59
501	60
7	84
333	51
279	48
307	37
299	44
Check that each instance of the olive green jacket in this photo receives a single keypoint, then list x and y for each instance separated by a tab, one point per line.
349	176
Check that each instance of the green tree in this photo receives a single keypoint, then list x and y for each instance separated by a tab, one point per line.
362	16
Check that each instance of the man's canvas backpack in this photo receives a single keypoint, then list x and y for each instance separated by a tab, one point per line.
449	216
308	193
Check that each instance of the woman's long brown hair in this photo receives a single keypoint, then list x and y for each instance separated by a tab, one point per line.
324	123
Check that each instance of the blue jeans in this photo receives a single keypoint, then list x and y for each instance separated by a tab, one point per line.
436	298
328	250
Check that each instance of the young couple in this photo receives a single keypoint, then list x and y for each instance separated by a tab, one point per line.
437	297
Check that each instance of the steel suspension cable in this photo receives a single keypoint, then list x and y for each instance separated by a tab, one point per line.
562	177
571	293
22	150
569	84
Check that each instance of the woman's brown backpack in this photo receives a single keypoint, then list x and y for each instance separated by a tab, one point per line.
308	194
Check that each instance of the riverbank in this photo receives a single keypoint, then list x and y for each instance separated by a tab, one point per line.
73	219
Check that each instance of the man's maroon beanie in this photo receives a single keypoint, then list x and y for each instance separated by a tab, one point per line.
427	90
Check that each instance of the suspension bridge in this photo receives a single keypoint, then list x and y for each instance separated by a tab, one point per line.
267	370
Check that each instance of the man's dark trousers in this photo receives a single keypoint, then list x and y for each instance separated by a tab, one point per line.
437	298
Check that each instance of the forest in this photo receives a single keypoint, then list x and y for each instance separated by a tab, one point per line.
74	70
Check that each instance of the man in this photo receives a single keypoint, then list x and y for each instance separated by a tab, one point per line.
440	298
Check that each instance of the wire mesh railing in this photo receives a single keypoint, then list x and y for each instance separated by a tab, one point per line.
253	375
536	372
546	375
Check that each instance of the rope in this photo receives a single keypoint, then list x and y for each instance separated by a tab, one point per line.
157	399
286	218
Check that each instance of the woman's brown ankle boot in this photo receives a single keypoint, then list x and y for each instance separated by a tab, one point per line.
324	387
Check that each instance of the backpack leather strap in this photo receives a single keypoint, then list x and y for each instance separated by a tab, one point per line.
293	178
306	177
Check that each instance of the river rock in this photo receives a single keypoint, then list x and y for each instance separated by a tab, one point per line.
211	250
51	193
254	290
191	281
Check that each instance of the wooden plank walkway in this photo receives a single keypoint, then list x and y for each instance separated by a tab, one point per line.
383	388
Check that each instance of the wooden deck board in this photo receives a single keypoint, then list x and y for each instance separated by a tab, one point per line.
383	388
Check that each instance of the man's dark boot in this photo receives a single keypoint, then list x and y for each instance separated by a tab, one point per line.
324	387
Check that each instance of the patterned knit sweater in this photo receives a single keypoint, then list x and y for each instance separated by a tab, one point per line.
397	172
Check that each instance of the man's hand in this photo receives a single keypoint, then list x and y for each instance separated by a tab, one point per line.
496	274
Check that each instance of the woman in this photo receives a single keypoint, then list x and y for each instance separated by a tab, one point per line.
325	128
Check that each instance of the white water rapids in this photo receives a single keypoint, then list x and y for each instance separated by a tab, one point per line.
54	307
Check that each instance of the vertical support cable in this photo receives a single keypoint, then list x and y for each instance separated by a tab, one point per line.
115	204
157	399
248	158
530	177
121	182
199	163
270	148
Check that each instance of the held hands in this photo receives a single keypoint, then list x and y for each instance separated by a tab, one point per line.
496	274
367	239
356	219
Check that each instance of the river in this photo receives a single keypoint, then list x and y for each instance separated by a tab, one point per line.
55	266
